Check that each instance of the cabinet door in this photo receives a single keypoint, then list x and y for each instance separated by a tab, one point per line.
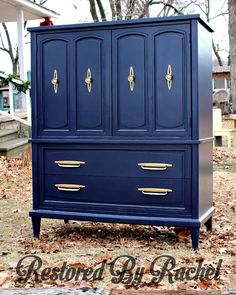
92	82
130	82
172	99
53	104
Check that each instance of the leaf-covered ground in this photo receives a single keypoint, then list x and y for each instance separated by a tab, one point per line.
89	244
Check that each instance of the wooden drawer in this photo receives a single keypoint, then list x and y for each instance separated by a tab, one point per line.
130	163
117	190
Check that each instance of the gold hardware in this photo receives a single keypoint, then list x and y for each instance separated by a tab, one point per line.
55	81
88	80
69	164
69	187
154	166
169	77
131	78
155	191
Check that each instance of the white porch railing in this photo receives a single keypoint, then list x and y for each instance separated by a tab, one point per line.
23	103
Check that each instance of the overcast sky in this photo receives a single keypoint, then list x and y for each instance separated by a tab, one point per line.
77	11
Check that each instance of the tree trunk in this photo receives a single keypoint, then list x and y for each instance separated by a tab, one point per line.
15	66
118	9
113	11
232	51
101	10
93	10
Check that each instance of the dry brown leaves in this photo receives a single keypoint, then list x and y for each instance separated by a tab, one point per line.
14	175
224	155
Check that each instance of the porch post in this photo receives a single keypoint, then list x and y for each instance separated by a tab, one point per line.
21	48
21	45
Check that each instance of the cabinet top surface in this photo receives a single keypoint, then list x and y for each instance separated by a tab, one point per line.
118	24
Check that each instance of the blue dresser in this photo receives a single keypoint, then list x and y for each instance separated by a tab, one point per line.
122	123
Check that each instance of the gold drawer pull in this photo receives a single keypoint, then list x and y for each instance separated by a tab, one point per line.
69	187
69	164
88	80
155	191
154	166
169	77
131	78
55	81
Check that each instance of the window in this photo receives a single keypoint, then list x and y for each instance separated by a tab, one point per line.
219	83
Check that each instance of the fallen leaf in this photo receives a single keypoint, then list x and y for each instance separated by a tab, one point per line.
4	278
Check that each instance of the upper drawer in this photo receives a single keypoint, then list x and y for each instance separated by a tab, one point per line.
131	163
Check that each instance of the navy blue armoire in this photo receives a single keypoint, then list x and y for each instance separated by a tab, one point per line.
122	122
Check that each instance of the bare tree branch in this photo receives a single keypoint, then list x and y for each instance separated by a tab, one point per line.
4	49
208	8
199	6
216	52
130	9
10	51
40	2
167	5
189	3
217	15
145	9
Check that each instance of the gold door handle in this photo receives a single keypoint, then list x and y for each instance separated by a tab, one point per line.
169	77
69	164
69	187
88	80
131	78
155	191
55	81
154	166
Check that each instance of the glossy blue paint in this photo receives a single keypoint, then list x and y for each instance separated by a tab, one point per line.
113	127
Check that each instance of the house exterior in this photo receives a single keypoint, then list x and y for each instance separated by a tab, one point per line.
15	108
20	11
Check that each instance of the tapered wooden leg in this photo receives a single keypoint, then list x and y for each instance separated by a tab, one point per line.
66	221
208	224
36	222
195	237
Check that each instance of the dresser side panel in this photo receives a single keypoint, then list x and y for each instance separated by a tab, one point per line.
33	91
35	176
204	82
205	178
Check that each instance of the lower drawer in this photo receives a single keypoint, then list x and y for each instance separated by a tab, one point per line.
117	190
